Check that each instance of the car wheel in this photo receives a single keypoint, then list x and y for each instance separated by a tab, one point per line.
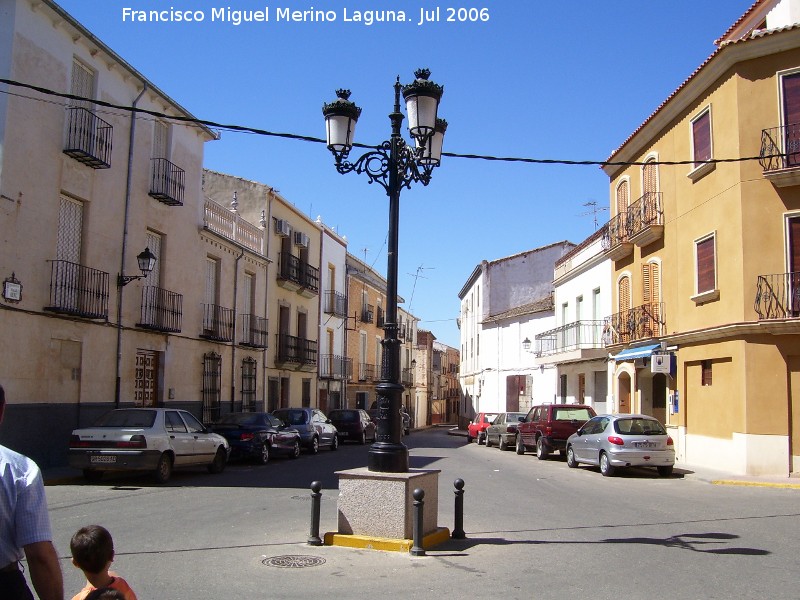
520	445
295	450
606	468
92	475
479	439
502	442
314	445
263	456
571	462
335	442
220	458
163	468
665	471
541	449
363	439
469	438
487	441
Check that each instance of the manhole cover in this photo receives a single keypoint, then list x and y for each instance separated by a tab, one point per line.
293	561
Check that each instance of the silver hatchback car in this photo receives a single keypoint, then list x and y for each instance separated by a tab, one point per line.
613	441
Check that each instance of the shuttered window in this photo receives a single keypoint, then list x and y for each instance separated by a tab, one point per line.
623	197
706	265
82	84
651	283
650	177
705	373
624	294
701	138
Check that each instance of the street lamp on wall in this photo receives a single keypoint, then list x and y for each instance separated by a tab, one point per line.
394	165
526	345
146	260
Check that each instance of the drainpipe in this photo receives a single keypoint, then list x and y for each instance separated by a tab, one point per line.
128	184
233	343
267	219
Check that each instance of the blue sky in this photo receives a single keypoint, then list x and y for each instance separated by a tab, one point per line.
544	80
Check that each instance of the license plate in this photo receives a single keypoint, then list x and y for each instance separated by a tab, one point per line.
100	458
644	444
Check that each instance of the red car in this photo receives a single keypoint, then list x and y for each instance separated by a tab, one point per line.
477	427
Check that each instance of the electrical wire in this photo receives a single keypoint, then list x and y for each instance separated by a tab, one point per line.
316	140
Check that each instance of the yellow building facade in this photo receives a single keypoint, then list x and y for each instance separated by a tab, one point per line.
706	255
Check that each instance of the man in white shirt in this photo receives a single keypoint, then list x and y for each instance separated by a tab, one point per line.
25	529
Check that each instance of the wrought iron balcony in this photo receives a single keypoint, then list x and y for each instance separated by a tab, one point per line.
167	183
646	219
778	296
580	335
296	350
254	331
88	138
310	280
617	237
333	366
407	377
366	372
162	310
217	323
230	225
638	323
78	290
335	304
780	154
367	313
381	317
289	270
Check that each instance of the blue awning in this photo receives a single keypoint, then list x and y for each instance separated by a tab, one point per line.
638	352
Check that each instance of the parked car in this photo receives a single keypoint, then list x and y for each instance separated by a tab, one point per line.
546	427
614	441
503	430
257	435
477	427
373	414
146	439
353	424
315	428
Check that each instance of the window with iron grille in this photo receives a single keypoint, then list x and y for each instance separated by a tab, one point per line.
212	386
248	384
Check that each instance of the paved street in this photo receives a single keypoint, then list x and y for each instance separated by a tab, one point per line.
535	530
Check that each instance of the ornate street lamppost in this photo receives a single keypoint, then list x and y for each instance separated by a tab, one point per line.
394	165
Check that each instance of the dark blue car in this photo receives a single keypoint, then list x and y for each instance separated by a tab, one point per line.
257	435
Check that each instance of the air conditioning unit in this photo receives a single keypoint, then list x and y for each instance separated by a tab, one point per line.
301	239
283	228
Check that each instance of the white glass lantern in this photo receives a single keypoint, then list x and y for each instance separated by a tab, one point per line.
422	104
432	154
341	116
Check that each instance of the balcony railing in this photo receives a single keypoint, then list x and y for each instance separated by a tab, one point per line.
335	304
292	349
780	148
381	317
366	372
217	323
254	331
407	377
162	310
573	336
289	268
310	278
78	290
167	183
88	138
639	323
231	226
333	366
778	296
646	219
367	313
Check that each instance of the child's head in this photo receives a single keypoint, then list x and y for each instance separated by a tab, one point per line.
106	593
92	548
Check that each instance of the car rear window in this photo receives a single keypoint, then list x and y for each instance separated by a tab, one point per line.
636	426
292	417
344	415
571	414
127	418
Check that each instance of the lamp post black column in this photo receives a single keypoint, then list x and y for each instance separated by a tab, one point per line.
394	165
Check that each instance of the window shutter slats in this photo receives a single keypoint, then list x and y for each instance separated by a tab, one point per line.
706	276
701	137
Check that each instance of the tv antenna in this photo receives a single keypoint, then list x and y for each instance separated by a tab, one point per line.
416	276
594	209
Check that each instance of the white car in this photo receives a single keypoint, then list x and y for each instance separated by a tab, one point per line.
146	439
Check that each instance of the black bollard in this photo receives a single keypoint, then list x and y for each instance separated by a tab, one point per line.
316	497
417	549
458	529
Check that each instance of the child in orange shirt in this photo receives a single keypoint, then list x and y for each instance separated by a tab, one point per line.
93	552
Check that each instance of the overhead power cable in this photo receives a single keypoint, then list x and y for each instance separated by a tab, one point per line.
306	138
